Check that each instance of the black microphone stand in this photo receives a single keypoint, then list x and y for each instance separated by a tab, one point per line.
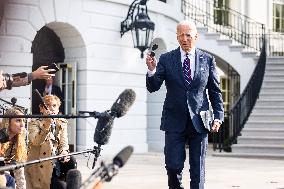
81	114
96	151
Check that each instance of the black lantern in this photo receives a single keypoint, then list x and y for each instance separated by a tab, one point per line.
141	26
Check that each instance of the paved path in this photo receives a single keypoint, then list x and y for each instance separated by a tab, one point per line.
146	171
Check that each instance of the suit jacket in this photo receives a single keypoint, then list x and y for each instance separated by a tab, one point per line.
181	98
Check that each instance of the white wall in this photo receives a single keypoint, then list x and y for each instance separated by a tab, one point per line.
107	64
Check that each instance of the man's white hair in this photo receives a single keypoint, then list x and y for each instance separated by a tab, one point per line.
189	23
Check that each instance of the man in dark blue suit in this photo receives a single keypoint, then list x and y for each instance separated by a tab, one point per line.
188	73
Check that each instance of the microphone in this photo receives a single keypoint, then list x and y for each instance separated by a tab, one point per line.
40	99
118	109
103	129
4	136
154	47
118	161
105	123
123	103
122	157
73	179
107	172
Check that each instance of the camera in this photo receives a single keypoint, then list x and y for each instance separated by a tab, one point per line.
52	66
8	79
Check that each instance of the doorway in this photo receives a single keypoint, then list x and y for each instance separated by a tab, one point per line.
47	48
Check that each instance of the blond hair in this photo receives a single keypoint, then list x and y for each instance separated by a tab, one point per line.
51	98
21	147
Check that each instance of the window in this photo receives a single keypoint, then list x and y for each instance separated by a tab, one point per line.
221	12
225	89
278	17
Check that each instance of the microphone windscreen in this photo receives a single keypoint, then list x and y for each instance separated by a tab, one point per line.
121	158
103	129
73	179
39	97
4	136
123	103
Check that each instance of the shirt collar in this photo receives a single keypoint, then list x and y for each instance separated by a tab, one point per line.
191	53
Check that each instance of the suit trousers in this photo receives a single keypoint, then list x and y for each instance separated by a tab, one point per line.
175	156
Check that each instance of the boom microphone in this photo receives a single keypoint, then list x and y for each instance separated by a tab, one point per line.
41	99
118	109
4	136
123	103
73	179
103	129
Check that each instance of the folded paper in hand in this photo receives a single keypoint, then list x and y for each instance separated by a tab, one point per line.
207	118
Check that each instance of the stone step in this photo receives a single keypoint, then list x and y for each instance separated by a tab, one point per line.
267	91
272	90
265	124
275	83
268	116
277	78
260	140
268	110
225	42
258	149
274	71
249	54
238	48
271	96
249	155
275	125
268	102
273	66
267	131
275	60
212	36
202	30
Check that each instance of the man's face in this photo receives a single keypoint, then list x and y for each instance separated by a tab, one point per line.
186	37
49	81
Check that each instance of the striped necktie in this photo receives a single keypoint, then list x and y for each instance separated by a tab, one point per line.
187	70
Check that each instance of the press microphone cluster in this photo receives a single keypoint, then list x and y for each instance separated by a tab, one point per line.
106	172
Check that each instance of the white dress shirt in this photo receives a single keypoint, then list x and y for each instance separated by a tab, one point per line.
191	57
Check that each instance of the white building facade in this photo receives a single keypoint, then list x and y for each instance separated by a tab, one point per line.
100	63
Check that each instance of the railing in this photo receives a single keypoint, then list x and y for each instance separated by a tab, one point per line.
241	110
275	44
4	105
224	20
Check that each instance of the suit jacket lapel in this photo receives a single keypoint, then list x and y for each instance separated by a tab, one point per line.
178	66
198	63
